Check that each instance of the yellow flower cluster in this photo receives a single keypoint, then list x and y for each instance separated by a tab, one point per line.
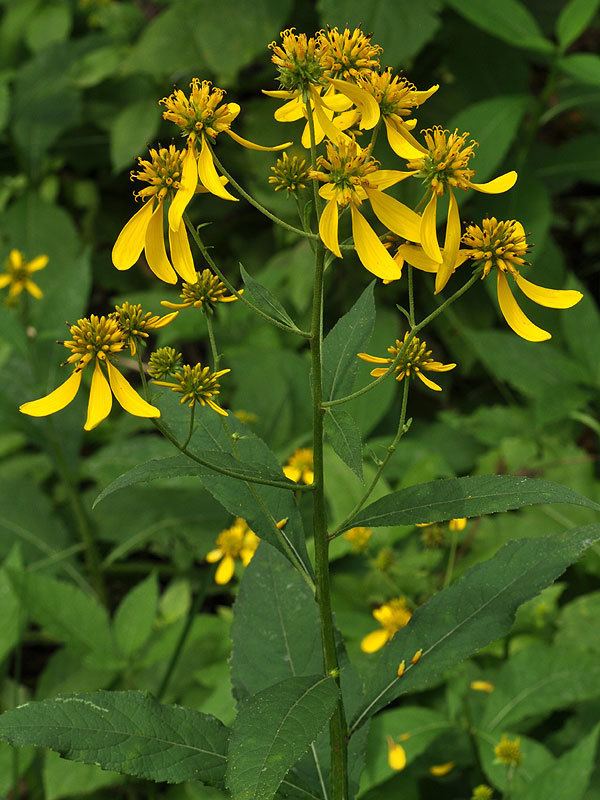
17	275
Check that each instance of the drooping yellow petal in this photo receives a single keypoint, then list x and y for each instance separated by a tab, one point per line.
328	227
187	187
347	119
279	94
100	401
209	176
551	298
182	254
500	184
512	313
429	383
290	111
166	320
396	755
217	408
333	133
130	242
399	143
33	289
56	400
428	230
384	178
214	555
451	245
225	571
373	359
253	146
127	396
439	770
335	101
370	250
38	263
374	641
400	219
156	254
417	257
292	473
365	102
5	280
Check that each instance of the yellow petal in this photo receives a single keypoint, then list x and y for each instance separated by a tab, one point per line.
156	254
370	250
291	111
374	641
127	396
347	119
208	174
100	401
279	94
329	129
182	255
551	298
214	555
253	146
417	257
5	280
33	289
400	219
166	320
225	571
130	242
396	755
328	227
399	142
428	231
38	263
429	383
15	258
365	102
292	473
56	400
420	97
439	770
374	359
335	101
517	320
319	132
384	178
451	245
500	184
187	188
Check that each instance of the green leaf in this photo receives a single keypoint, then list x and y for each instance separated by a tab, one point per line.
273	730
13	616
4	104
582	330
476	610
131	132
349	336
127	732
265	300
476	496
508	20
344	436
69	779
578	625
584	67
135	616
573	19
50	25
534	754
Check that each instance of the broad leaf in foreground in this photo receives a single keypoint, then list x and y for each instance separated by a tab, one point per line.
127	732
473	612
273	730
446	499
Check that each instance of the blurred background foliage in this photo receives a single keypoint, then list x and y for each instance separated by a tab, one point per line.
79	85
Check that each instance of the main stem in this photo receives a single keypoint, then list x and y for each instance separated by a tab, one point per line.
337	723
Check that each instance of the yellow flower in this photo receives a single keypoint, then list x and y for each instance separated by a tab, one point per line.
416	359
396	755
196	384
164	362
205	292
442	168
98	340
482	686
350	176
136	325
508	751
299	467
359	538
392	616
347	54
458	524
247	417
235	542
482	792
17	275
290	174
503	246
439	770
202	116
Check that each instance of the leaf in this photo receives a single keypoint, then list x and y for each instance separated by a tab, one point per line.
266	300
574	18
584	67
349	336
582	330
135	616
476	496
535	755
273	729
127	732
50	25
13	616
344	436
476	610
132	131
69	779
508	20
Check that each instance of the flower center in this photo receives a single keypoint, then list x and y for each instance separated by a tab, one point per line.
394	94
200	111
92	337
447	162
162	172
231	540
348	54
345	168
298	60
498	244
207	291
415	357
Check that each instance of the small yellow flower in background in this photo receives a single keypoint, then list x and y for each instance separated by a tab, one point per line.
236	542
196	384
482	686
392	616
164	362
290	173
503	246
416	359
17	275
359	538
137	324
299	467
396	755
439	770
508	751
98	340
247	417
205	292
458	524
482	792
350	176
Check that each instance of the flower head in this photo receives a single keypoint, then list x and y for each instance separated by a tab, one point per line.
482	792
359	538
164	362
508	751
347	54
196	384
396	755
236	542
17	275
205	293
392	616
290	174
416	359
502	245
98	340
457	525
298	59
299	467
137	324
161	171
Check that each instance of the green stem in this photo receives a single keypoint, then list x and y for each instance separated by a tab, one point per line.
216	359
451	559
409	339
337	724
191	430
411	297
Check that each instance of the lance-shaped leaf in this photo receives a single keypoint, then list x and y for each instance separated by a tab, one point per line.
344	436
273	730
473	612
127	732
265	300
442	500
